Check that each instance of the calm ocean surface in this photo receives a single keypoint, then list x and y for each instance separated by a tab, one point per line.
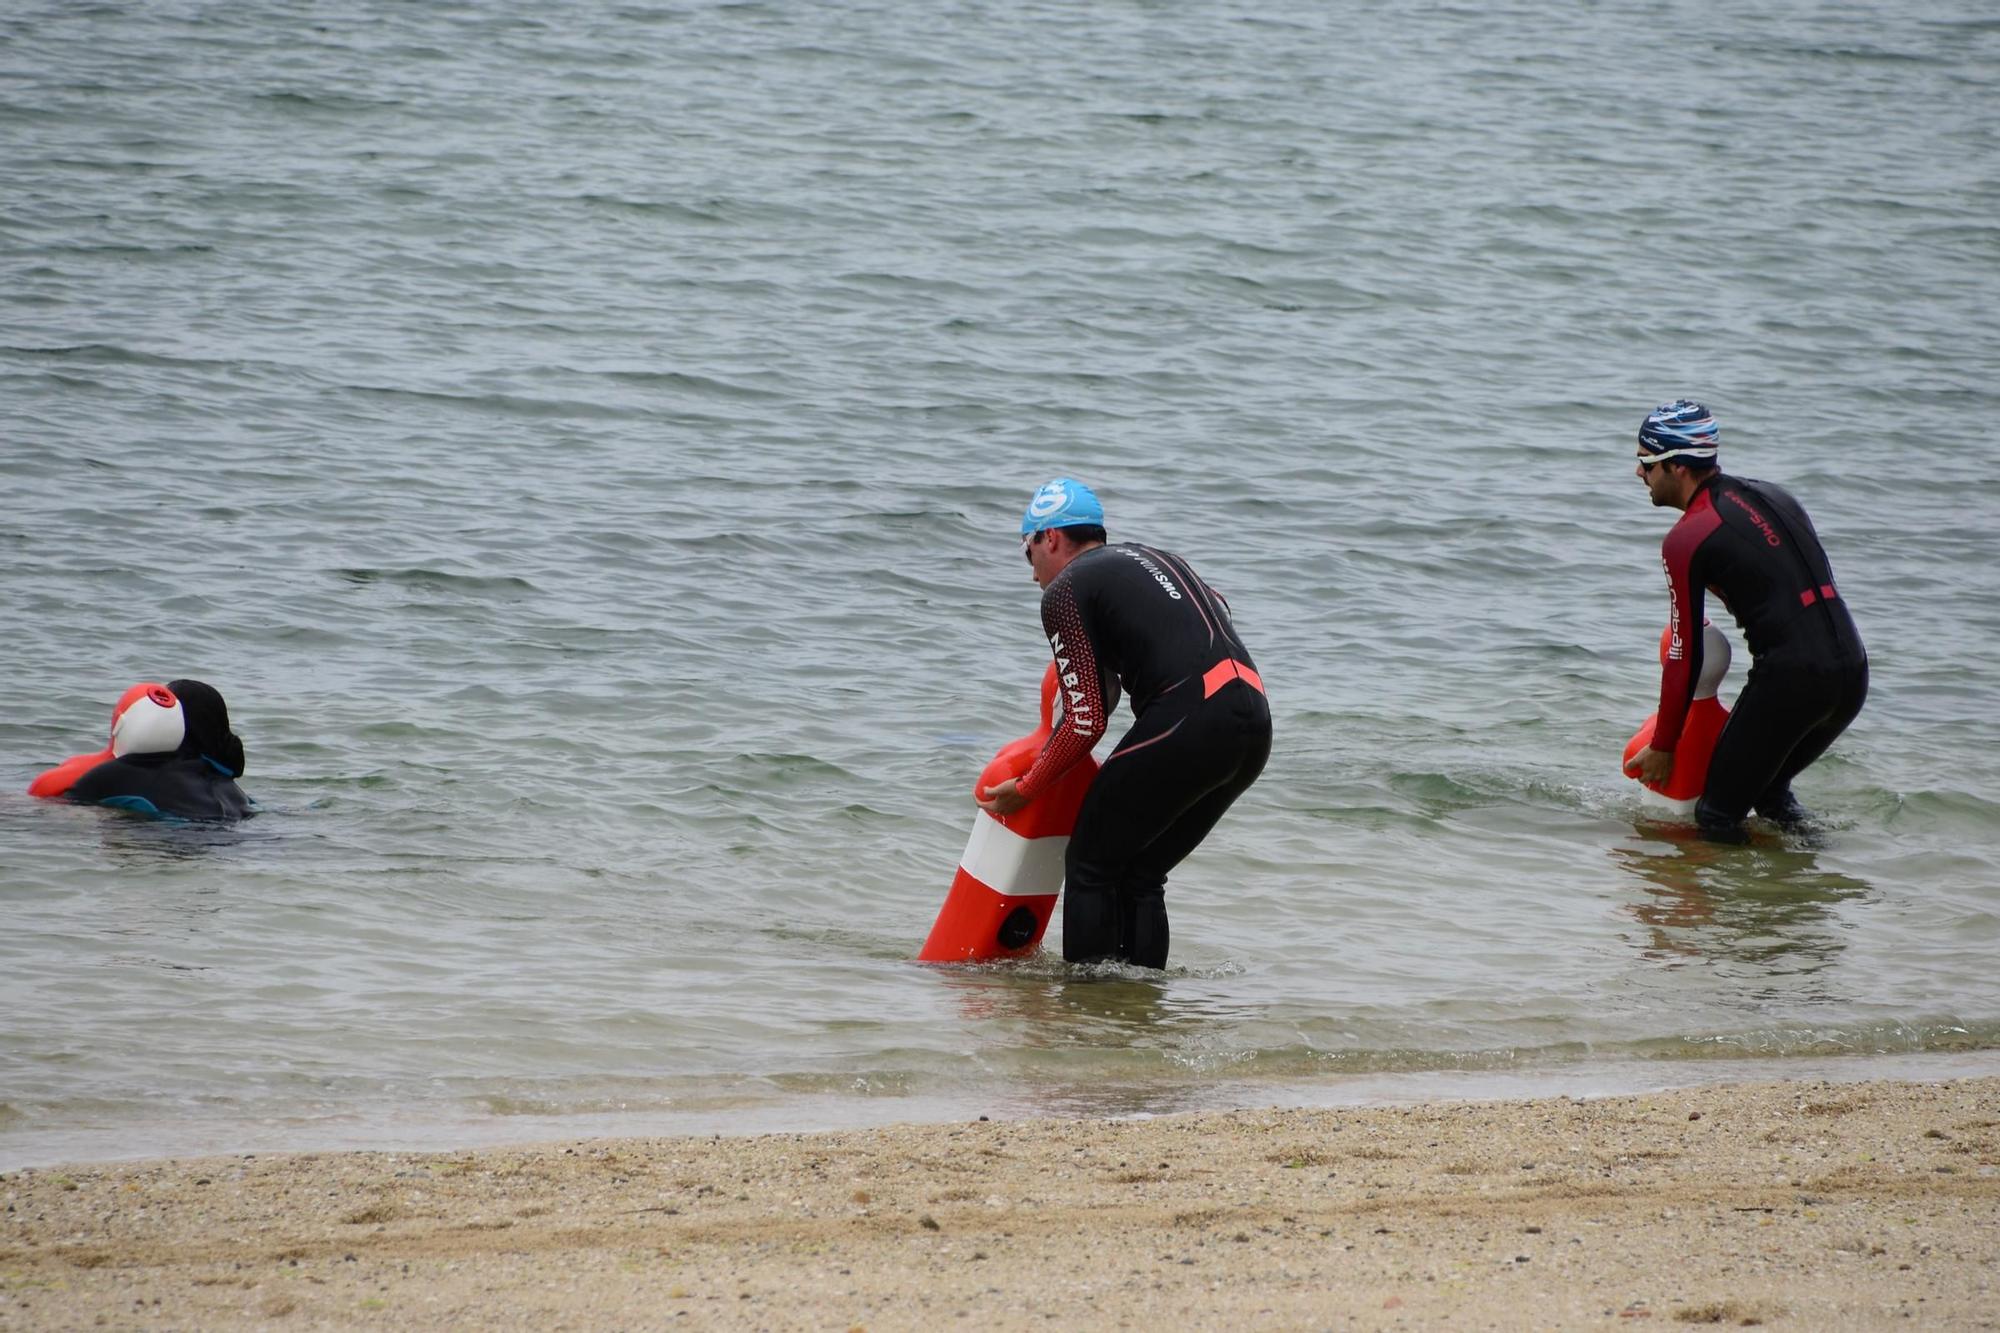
585	447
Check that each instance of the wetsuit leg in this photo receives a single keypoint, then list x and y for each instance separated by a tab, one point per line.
1158	795
1777	803
1782	721
1145	886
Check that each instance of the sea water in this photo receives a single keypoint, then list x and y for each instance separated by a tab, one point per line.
585	444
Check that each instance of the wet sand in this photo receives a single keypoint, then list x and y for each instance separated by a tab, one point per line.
1805	1205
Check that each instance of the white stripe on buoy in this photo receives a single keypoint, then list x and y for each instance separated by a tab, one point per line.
1008	863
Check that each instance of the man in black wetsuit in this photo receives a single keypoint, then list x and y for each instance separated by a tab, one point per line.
196	781
1137	619
1752	543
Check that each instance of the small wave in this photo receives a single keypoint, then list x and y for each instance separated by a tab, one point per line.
509	405
1978	811
754	770
85	248
650	208
110	354
290	100
699	384
1866	55
437	580
637	1099
1935	1037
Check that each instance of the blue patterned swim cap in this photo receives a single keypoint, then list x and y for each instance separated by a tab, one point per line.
1062	503
1682	429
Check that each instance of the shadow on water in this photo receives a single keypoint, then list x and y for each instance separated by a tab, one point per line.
1102	1040
140	840
1058	1005
1766	904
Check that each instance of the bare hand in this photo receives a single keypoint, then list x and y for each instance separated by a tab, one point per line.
1653	766
1002	800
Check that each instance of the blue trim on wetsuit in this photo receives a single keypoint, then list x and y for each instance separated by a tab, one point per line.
136	804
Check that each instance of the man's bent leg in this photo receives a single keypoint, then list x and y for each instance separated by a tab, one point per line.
1777	802
1146	884
1157	809
1109	911
1121	813
1772	716
1748	755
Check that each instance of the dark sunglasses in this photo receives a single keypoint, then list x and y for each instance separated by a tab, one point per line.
1028	542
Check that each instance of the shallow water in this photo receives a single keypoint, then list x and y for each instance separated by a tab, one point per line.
585	449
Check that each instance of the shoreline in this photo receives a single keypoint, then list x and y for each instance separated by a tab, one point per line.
396	1130
1804	1203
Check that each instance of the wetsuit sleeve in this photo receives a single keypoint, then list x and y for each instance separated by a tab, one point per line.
1682	667
1083	721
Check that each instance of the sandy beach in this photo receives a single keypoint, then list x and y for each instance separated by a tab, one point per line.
1807	1205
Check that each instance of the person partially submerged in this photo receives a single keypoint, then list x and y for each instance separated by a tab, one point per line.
196	780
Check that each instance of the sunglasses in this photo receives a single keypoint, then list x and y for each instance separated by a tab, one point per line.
1700	453
1028	542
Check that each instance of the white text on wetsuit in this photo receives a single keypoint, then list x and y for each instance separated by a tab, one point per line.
1676	650
1079	704
1155	571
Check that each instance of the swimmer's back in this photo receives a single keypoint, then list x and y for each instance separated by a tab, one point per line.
179	786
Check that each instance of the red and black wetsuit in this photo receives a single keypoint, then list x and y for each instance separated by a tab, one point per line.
1139	619
1752	544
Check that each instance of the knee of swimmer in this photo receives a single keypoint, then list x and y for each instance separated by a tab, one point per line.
1718	824
1707	811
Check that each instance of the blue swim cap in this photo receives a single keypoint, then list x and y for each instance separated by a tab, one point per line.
1062	503
1682	429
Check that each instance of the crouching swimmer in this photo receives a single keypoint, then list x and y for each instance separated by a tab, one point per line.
1751	543
1138	620
195	780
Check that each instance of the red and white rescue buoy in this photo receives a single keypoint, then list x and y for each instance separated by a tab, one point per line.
147	719
1012	871
1676	797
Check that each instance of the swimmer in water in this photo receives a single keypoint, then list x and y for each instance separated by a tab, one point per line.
1136	620
195	781
1752	543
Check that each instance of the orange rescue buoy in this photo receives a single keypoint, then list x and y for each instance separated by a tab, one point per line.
1012	871
147	719
1676	797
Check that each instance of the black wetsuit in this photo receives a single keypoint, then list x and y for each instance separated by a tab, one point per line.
176	785
197	781
1752	544
1139	619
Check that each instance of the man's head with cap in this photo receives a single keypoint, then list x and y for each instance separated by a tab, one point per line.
208	734
1063	519
1682	429
1682	433
1062	503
